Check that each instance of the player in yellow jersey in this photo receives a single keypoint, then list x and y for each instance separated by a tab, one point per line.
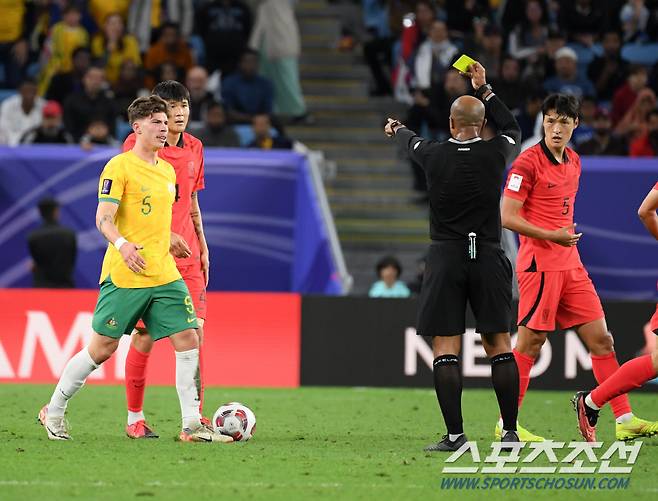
139	278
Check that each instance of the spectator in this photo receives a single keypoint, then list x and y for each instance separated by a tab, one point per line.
607	72
14	46
276	37
581	19
384	26
646	145
127	88
626	95
389	283
113	46
509	86
224	26
145	16
200	98
215	132
603	142
20	113
92	102
463	15
262	127
414	33
567	80
635	123
97	134
527	40
434	57
65	36
101	9
528	115
543	66
169	71
51	130
585	129
489	51
634	17
245	93
70	82
170	48
53	249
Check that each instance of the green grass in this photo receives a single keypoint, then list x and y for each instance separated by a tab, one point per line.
311	443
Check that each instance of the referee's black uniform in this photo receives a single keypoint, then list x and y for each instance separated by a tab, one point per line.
466	261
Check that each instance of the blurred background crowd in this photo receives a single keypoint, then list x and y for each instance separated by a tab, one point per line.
69	68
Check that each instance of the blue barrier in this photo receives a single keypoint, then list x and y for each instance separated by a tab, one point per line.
263	224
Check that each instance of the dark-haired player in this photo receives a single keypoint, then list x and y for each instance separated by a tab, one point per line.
185	153
634	373
554	287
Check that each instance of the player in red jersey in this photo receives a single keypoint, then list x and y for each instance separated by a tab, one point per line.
554	287
634	373
185	153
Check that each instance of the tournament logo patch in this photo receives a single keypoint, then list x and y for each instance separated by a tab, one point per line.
107	187
112	323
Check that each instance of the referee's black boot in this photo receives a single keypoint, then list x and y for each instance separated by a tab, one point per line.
447	445
509	439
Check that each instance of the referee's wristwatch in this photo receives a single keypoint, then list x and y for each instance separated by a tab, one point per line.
482	90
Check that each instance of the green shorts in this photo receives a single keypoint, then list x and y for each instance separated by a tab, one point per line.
165	309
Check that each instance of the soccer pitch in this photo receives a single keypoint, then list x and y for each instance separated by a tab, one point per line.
310	443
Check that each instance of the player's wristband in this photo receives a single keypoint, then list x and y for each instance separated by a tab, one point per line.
119	242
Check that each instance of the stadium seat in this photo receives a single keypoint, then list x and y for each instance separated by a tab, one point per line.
246	134
646	54
5	93
196	44
123	128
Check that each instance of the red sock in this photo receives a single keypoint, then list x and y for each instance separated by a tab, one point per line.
603	367
136	363
200	380
524	363
630	376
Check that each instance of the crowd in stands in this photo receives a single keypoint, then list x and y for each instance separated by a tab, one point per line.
605	52
70	68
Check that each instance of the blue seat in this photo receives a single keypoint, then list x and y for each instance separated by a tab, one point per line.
246	134
646	54
5	93
196	44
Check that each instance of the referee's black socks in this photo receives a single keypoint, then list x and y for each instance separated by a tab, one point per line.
505	379
448	386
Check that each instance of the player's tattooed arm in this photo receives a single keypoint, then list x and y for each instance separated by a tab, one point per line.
105	214
195	214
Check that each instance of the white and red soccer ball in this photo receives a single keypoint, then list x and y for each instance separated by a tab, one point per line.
235	420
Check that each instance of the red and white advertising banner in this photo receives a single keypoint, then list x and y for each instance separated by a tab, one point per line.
250	339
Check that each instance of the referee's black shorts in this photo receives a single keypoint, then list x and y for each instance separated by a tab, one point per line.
451	279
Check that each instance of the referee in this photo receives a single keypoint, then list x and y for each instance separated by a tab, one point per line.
465	261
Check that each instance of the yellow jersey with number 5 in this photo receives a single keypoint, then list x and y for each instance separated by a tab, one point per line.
144	194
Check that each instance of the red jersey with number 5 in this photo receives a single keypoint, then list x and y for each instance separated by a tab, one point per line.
548	190
187	159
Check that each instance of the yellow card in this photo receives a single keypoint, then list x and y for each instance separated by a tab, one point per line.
463	63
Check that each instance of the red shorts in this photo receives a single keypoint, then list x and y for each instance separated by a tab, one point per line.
566	297
196	284
653	324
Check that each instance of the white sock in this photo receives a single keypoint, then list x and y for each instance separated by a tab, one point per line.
133	417
624	418
75	373
454	437
500	423
590	403
187	370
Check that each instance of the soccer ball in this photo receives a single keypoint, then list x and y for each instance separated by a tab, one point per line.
235	420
